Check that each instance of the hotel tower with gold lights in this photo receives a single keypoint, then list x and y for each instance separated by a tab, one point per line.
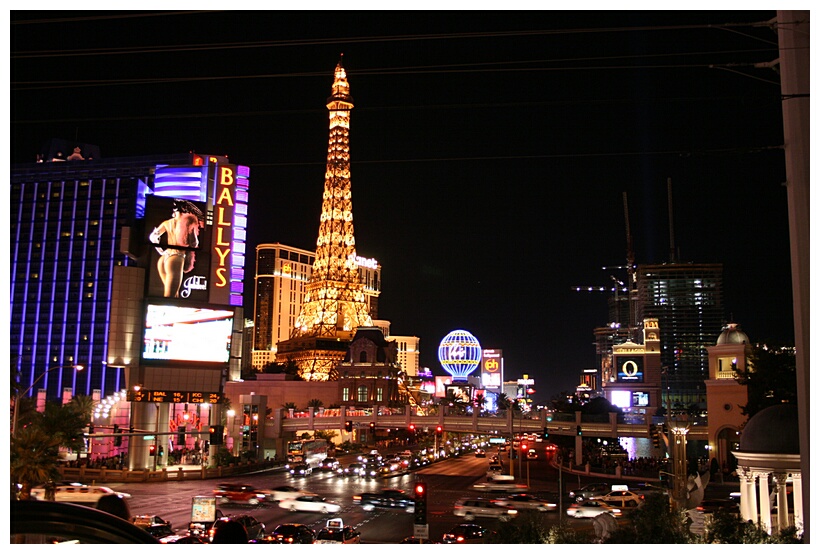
334	304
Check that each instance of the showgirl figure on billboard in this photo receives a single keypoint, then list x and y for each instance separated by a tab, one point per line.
182	232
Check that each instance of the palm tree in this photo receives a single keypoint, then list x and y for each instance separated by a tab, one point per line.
33	458
504	402
315	403
289	405
64	422
479	402
83	405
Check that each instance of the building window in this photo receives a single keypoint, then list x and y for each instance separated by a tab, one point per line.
379	394
346	394
362	394
363	357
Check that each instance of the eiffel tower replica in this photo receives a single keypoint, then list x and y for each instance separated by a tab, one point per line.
334	304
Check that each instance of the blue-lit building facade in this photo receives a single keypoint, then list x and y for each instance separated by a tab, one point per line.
98	280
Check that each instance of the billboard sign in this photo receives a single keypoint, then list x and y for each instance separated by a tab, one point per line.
441	385
492	370
187	334
629	369
177	235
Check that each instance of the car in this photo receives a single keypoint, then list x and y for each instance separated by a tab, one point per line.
622	499
329	464
336	532
495	468
471	508
480	453
524	501
184	539
371	471
501	483
283	492
159	530
147	520
467	533
231	493
46	522
415	540
393	469
353	470
253	527
300	470
589	491
494	459
532	455
386	498
292	533
718	504
310	503
592	508
86	495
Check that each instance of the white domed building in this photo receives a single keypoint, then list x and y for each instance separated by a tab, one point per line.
769	469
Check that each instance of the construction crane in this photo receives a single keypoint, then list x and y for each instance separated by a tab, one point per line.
619	287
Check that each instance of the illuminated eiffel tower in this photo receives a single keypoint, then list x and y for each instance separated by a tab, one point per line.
334	304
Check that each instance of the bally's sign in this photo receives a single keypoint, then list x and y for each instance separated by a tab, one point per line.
222	238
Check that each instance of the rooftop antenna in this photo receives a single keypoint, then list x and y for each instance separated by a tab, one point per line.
672	257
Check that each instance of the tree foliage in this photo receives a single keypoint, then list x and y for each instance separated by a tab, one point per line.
771	378
565	402
724	527
527	528
34	454
599	405
655	522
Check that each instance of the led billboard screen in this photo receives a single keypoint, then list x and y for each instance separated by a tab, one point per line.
187	334
629	368
178	240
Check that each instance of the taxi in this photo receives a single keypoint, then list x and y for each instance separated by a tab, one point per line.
336	532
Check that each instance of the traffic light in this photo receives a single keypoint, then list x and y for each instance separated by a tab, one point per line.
420	509
656	439
118	437
439	430
349	426
524	447
161	451
545	434
578	430
181	436
152	450
216	434
372	425
412	428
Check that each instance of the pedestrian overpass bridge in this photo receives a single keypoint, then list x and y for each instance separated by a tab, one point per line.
289	424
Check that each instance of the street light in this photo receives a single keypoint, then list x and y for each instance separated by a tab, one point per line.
20	395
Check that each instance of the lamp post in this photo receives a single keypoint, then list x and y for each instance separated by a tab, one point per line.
20	395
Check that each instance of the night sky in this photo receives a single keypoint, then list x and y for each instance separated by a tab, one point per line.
490	150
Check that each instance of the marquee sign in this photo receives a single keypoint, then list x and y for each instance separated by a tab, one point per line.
143	395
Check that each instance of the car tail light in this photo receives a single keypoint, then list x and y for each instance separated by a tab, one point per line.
357	498
459	539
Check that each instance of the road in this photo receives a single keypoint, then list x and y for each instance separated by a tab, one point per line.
447	481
